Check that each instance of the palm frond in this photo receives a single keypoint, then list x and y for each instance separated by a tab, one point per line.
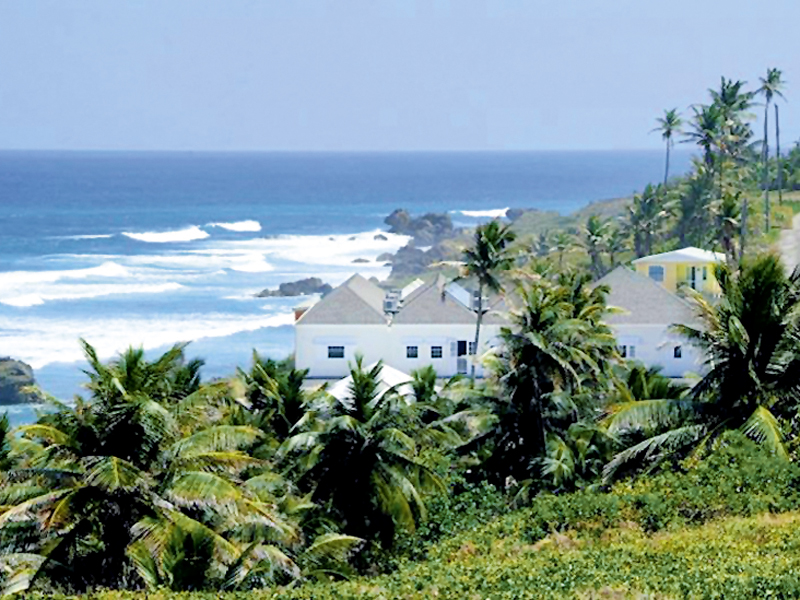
763	427
655	446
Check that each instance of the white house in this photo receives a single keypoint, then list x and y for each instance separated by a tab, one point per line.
389	379
424	324
643	325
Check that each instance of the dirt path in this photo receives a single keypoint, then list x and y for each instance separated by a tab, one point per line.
789	244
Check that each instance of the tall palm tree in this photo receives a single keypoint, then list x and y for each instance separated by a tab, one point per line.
487	258
731	98
770	87
706	128
668	126
750	338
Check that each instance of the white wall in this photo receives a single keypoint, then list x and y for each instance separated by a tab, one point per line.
655	346
387	343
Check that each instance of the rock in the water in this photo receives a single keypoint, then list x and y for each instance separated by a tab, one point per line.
15	376
303	287
385	257
411	260
360	260
426	230
381	237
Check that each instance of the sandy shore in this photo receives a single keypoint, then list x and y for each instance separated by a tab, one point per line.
789	244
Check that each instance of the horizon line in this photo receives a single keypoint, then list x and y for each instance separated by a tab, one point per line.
313	151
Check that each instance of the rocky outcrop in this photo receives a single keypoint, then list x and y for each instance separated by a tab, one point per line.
303	287
15	377
411	260
426	230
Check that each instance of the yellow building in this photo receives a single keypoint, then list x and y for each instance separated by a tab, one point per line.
691	267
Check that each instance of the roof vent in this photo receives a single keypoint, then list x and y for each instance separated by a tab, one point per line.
391	302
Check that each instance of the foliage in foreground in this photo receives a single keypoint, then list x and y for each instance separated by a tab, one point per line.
712	531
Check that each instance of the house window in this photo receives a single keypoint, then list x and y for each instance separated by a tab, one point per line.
632	351
335	351
677	352
472	347
705	273
656	273
412	351
623	351
436	352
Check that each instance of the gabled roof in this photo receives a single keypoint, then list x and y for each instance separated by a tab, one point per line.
427	305
689	254
389	378
356	302
644	301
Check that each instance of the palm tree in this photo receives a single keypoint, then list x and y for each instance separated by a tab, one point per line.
750	338
696	196
360	454
593	238
275	396
135	486
706	128
731	98
770	87
541	245
668	125
560	242
646	217
616	243
556	345
485	260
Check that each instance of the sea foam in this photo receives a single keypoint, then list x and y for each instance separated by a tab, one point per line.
239	226
86	291
97	236
162	237
321	251
495	213
40	341
16	278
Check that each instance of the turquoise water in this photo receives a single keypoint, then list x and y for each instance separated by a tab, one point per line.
154	248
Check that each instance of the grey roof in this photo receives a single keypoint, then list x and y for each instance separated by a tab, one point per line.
360	302
356	302
427	305
644	301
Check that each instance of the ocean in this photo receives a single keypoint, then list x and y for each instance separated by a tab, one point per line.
149	249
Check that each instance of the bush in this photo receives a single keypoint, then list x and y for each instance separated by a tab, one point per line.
717	537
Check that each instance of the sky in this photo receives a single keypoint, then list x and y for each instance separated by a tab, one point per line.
377	75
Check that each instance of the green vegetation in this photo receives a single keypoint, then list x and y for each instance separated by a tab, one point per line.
567	472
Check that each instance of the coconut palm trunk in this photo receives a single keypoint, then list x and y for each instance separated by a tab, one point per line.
778	155
766	168
666	165
478	321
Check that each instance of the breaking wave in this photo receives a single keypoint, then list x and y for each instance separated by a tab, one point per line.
495	213
162	237
241	226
